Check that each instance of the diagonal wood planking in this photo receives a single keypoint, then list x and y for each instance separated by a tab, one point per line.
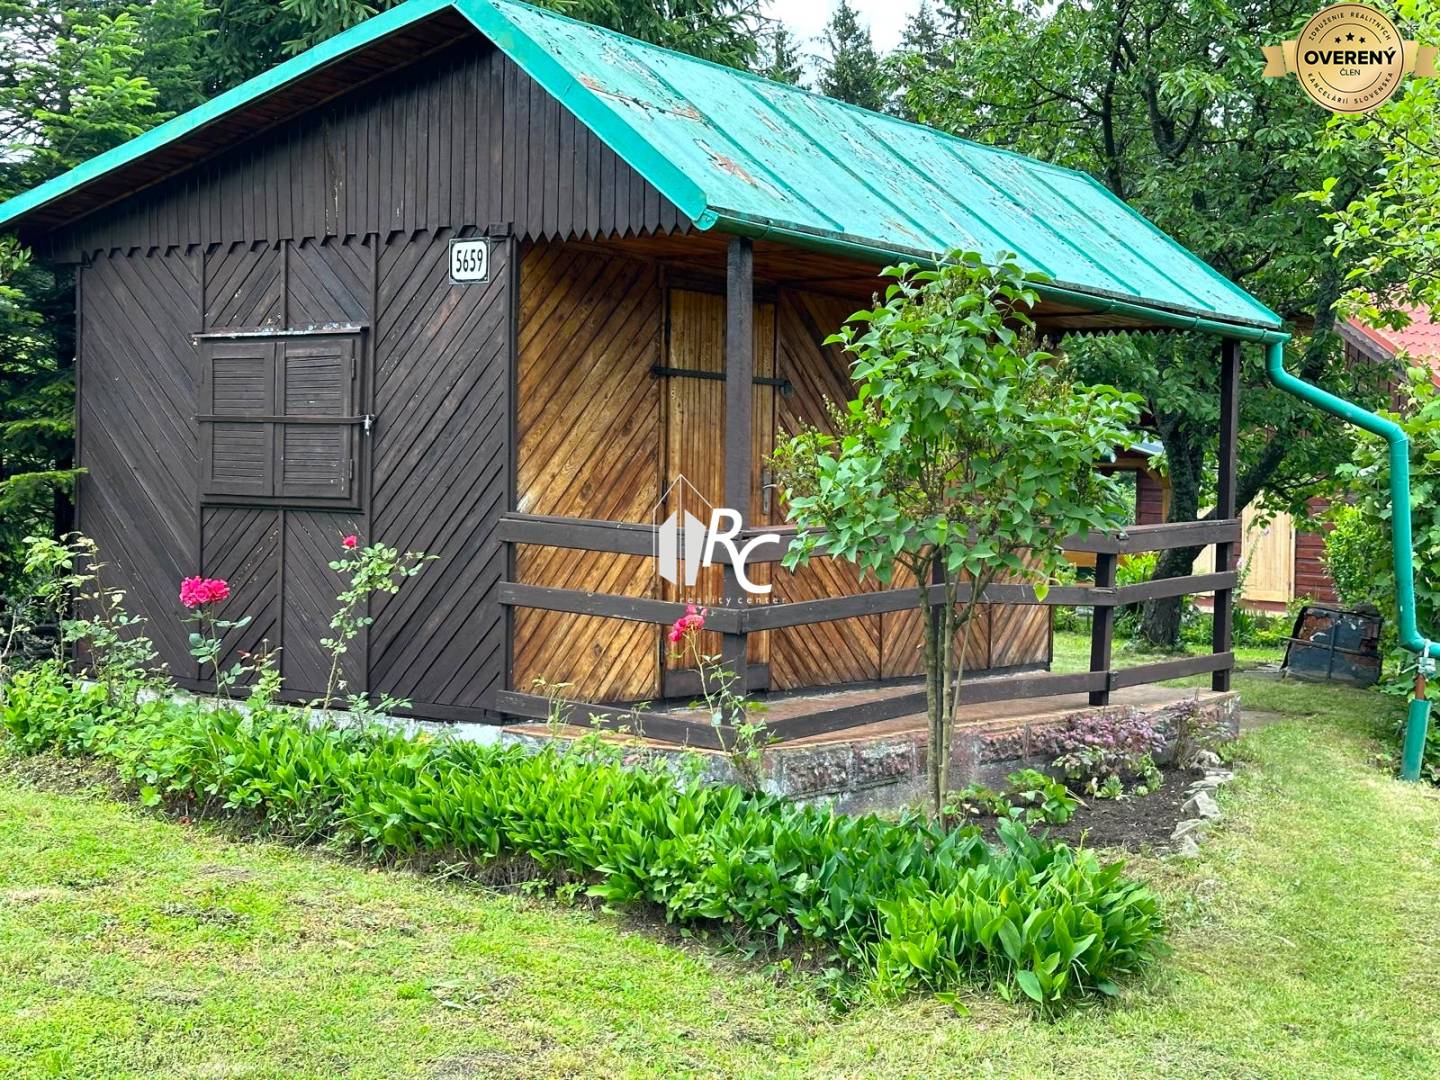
328	281
440	461
847	650
311	542
138	434
243	285
589	441
241	545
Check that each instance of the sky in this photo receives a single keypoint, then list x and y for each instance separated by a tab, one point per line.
807	18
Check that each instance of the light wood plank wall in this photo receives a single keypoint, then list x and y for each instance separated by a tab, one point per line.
600	437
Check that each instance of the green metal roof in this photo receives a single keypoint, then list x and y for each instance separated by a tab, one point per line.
740	153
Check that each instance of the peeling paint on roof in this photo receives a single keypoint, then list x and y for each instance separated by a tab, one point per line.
735	151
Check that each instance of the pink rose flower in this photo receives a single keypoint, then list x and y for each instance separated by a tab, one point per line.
692	620
191	589
198	591
350	543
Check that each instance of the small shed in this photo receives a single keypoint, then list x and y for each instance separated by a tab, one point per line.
477	279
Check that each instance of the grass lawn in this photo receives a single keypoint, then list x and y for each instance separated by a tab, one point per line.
1072	653
1306	944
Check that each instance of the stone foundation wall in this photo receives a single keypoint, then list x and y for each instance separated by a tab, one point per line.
887	772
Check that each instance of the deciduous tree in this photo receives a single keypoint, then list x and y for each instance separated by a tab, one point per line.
1166	105
1391	229
967	453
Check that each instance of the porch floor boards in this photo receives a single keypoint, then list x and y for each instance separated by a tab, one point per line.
1018	713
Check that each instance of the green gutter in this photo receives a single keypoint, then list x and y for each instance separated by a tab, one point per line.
1401	540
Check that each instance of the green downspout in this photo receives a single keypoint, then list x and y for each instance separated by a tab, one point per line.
1401	540
1274	343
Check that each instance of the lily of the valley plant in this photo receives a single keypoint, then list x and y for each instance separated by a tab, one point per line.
967	455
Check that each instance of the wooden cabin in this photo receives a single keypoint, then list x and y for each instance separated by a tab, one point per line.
475	279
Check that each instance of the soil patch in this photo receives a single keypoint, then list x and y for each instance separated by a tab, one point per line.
1134	823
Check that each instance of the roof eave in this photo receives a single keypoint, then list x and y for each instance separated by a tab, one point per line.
266	82
871	250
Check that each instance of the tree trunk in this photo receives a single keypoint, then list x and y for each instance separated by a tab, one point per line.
1185	452
1184	449
934	692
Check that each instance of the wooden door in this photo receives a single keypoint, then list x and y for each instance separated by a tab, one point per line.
1267	556
693	458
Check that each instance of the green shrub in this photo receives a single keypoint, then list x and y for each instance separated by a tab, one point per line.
1357	556
904	904
1136	569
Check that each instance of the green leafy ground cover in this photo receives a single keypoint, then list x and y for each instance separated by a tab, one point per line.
1305	945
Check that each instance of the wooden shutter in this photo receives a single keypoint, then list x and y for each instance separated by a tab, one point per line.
238	380
316	458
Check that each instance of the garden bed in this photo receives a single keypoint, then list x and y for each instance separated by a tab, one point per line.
1131	823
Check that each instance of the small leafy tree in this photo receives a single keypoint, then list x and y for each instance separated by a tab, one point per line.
967	453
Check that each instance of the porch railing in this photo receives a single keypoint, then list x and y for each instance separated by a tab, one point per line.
1104	598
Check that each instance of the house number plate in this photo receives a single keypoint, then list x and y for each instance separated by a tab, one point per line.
469	260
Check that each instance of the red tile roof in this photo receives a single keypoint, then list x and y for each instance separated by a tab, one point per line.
1421	339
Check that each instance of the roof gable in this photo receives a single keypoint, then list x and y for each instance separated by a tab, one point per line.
734	151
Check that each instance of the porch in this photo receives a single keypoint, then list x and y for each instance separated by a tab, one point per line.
694	372
808	715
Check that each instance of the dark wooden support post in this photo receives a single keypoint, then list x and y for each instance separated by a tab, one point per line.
1102	626
739	395
1224	621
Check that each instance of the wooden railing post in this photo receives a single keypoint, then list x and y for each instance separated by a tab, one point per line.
1102	626
1224	618
739	394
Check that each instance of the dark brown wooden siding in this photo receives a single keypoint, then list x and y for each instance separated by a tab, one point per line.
465	139
138	437
1150	498
441	473
437	358
343	217
1312	579
276	557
